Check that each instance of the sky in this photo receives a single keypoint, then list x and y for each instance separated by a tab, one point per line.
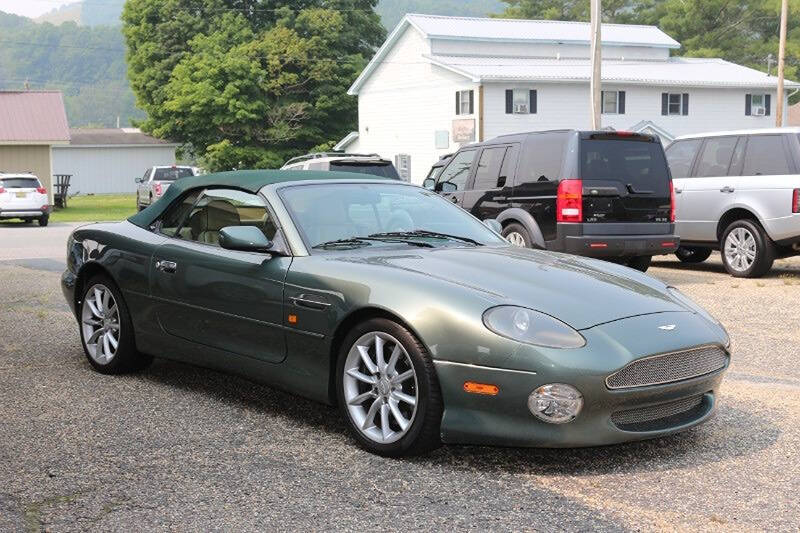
32	8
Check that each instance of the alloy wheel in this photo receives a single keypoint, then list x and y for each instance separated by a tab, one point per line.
380	387
516	239
100	323
740	249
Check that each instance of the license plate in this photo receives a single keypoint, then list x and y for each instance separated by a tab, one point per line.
22	194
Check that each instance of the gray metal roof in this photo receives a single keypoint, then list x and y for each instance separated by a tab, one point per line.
113	136
35	117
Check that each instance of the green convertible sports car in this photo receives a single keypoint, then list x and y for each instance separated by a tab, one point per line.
420	322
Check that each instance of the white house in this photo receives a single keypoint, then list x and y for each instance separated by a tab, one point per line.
108	160
438	82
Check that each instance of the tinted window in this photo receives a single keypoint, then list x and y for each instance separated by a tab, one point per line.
765	155
716	157
220	208
489	168
542	156
19	183
174	216
680	155
385	170
457	171
639	165
171	174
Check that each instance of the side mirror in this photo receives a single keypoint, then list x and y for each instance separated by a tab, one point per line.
446	186
429	183
244	238
137	180
493	225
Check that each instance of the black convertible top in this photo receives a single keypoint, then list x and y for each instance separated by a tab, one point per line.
247	180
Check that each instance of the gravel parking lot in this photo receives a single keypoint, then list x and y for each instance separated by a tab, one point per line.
185	448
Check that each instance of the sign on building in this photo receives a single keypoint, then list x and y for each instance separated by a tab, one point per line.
464	130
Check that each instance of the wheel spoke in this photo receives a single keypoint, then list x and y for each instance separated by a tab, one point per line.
369	421
402	396
390	366
386	431
358	400
114	342
354	373
106	301
93	308
379	353
363	351
106	346
93	338
98	301
112	311
402	377
397	415
90	322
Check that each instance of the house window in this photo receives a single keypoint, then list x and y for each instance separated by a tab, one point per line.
464	102
757	105
613	102
674	103
520	101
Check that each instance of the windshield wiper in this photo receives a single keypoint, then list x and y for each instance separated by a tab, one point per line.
352	241
428	234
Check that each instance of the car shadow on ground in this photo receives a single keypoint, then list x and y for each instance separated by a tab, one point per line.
732	432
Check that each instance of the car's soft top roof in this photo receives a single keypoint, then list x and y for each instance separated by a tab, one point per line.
248	180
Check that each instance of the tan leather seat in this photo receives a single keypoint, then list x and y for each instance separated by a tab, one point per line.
207	222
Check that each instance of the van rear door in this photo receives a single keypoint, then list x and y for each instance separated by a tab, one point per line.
625	180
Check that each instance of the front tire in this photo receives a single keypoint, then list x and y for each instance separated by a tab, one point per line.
747	251
387	390
692	254
106	329
517	235
44	220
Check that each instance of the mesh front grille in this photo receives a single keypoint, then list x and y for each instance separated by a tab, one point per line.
661	416
669	367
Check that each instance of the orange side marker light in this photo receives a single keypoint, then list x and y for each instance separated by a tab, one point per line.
481	388
292	319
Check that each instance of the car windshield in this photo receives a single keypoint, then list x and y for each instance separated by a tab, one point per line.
352	214
171	174
374	168
19	183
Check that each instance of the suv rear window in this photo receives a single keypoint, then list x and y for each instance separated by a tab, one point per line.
373	168
640	165
19	183
172	174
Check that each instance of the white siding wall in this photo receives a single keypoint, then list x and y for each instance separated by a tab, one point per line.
567	106
510	49
403	104
101	170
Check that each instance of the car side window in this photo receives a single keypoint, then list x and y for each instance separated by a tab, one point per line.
488	171
220	208
176	214
765	155
146	175
716	157
457	172
542	158
680	156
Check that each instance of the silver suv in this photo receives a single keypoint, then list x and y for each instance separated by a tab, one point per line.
739	192
156	181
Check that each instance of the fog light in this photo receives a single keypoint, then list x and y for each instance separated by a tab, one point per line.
555	403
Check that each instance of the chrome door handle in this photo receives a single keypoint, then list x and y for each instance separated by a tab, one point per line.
303	301
726	189
167	266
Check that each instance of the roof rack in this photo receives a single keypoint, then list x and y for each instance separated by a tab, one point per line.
317	155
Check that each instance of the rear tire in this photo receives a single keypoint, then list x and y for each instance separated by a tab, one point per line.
747	250
640	263
692	254
44	220
374	394
104	321
517	235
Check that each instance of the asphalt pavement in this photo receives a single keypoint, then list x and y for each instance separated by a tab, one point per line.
184	448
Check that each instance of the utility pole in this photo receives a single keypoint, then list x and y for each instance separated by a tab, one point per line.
781	61
596	50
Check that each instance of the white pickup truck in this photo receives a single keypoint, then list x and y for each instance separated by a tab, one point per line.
156	181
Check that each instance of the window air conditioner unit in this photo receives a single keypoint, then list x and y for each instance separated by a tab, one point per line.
759	111
521	108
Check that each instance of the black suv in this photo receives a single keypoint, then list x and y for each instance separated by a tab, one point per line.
603	194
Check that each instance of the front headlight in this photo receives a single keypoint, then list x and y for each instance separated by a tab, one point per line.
531	327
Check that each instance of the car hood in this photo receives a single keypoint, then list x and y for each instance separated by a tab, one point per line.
579	291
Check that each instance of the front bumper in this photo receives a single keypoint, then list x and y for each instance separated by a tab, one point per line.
505	420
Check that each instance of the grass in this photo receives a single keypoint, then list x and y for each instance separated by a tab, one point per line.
96	208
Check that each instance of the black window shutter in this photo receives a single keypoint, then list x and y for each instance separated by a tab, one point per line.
458	102
767	99
509	101
621	102
664	103
685	103
748	104
532	106
471	102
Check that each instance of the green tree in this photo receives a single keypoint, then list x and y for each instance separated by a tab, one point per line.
613	10
248	83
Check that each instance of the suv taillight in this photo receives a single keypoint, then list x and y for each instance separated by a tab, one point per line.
569	201
158	189
795	200
41	190
671	202
2	190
